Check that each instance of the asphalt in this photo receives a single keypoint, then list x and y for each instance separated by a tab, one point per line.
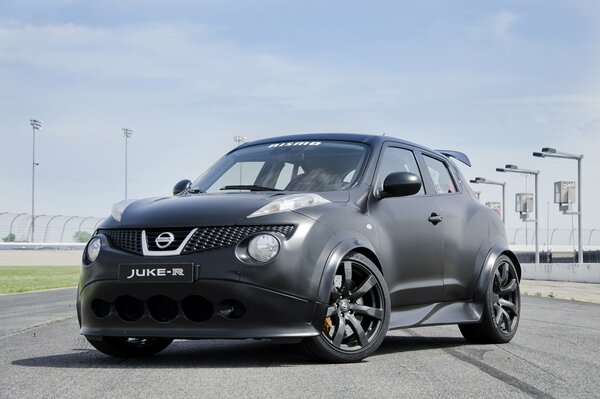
554	354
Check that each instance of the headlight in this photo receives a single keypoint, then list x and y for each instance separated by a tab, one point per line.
290	203
118	208
263	247
93	249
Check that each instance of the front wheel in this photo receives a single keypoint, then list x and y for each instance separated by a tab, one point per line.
501	312
130	347
358	314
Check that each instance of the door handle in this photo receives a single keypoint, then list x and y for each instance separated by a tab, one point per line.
435	218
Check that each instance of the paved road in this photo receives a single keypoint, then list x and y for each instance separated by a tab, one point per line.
556	353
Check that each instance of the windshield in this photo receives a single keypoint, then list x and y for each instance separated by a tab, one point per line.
287	166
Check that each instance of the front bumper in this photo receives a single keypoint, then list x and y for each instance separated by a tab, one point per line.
228	298
228	310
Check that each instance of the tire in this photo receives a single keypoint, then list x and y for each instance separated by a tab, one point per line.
501	311
130	347
358	314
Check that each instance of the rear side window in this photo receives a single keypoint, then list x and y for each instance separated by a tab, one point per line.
398	160
440	175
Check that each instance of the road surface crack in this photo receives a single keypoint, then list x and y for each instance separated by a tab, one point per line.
12	334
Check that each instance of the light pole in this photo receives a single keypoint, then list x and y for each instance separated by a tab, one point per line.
481	180
35	125
552	153
127	134
239	140
516	169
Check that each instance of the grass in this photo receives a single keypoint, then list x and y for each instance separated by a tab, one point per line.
34	278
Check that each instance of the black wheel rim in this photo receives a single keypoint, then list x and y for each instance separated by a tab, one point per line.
506	298
356	309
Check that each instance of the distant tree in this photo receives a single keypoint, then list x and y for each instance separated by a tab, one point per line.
81	236
10	237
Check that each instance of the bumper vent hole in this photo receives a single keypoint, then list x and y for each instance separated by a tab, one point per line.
100	308
162	308
232	309
197	308
129	308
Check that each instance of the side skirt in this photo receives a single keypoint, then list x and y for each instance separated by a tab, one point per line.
435	314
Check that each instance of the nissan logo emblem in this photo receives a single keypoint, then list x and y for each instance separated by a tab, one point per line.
164	240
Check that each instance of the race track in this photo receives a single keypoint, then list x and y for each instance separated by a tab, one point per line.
556	353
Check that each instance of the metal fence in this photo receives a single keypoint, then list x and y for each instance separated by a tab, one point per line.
48	228
523	236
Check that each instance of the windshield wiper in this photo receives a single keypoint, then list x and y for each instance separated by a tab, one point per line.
251	187
195	191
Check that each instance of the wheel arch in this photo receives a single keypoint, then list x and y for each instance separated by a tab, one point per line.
514	260
335	257
486	272
369	254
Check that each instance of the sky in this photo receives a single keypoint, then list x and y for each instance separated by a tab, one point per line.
496	80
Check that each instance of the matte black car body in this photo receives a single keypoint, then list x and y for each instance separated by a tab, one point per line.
436	252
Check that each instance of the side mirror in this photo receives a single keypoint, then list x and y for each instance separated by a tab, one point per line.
401	184
182	185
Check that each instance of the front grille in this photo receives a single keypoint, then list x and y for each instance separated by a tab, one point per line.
206	238
179	234
125	239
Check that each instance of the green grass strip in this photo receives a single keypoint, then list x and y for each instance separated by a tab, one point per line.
34	278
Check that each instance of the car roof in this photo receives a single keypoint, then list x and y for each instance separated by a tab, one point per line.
372	139
357	137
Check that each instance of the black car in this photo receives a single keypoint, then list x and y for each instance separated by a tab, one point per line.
328	240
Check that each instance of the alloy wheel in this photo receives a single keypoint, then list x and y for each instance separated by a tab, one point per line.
356	310
505	298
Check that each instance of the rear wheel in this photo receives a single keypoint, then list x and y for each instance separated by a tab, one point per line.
501	312
358	315
130	347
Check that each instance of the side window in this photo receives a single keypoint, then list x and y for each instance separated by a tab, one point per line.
442	180
398	160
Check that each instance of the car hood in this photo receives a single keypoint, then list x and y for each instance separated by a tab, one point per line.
197	210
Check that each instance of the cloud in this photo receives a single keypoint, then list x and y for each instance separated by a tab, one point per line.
549	100
186	57
181	63
502	23
499	26
590	129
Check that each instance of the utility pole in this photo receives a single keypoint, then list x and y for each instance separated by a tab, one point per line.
535	173
36	125
127	134
239	140
548	152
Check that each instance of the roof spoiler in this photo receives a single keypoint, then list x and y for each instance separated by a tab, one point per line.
456	155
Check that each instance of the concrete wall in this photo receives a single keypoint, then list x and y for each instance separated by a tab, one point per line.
40	257
573	272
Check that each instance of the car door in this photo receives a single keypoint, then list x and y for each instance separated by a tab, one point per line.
462	236
411	245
